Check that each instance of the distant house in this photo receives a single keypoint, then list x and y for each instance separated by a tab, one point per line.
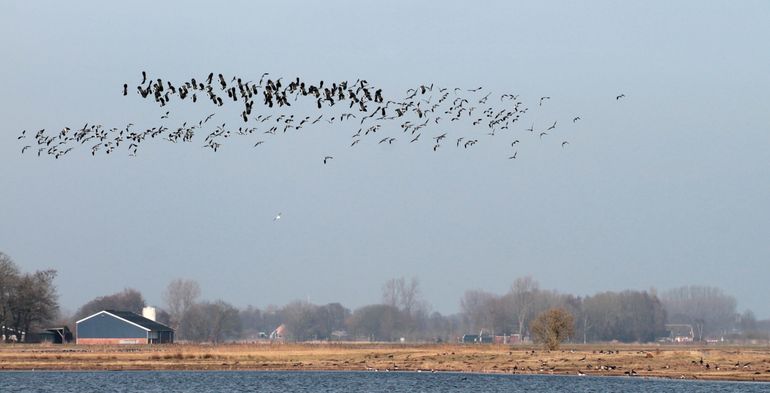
121	327
476	339
508	339
680	333
279	333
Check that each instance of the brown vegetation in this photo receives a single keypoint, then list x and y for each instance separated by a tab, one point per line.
712	363
552	327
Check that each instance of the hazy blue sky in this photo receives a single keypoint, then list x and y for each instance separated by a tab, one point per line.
669	187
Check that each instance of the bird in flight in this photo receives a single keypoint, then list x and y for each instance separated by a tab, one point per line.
620	96
277	217
576	118
564	143
543	99
327	158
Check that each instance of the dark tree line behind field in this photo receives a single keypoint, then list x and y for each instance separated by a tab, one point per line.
29	301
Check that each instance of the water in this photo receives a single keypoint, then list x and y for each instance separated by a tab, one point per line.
261	381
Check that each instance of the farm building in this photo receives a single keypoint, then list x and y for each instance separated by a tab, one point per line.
53	335
121	327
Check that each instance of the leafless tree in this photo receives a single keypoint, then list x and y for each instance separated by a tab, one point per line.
34	300
708	309
398	292
127	300
377	322
179	296
628	316
477	307
9	275
552	327
300	320
211	322
523	299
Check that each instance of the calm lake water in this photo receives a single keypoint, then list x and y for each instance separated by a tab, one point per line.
260	381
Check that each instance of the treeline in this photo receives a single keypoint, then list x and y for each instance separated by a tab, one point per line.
27	300
628	316
625	316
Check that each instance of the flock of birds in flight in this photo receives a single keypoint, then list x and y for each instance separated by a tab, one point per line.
426	112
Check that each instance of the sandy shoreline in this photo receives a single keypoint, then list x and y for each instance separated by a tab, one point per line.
680	362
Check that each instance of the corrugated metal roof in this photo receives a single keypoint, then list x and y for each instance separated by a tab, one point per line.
140	320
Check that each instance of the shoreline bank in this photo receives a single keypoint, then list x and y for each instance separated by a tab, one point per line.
670	362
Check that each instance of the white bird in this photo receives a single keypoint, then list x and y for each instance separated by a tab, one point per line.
277	217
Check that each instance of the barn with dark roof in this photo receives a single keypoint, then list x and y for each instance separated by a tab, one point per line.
121	327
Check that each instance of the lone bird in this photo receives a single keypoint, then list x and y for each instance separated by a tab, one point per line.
327	158
620	96
277	217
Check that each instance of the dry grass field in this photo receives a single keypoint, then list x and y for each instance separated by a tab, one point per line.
690	362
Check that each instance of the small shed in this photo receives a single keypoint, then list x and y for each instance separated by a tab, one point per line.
121	327
53	335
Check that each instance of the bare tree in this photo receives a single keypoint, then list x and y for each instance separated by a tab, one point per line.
478	309
300	320
410	295
179	296
34	300
398	292
127	300
552	327
390	292
377	322
708	309
9	275
628	316
523	300
211	322
26	300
